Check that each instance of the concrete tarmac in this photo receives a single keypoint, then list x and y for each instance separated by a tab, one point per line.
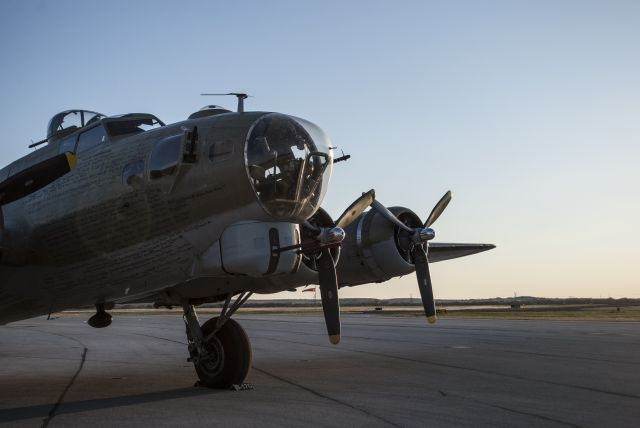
385	372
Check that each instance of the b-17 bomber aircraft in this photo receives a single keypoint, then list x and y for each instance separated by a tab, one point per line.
122	209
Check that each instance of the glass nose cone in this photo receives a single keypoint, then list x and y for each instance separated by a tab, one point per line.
289	164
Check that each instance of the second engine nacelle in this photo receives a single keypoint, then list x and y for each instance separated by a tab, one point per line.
373	251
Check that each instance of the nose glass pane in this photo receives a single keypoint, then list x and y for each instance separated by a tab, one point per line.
285	167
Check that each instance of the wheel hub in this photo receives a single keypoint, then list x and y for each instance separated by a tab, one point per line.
212	358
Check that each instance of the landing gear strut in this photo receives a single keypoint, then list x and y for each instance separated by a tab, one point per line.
219	349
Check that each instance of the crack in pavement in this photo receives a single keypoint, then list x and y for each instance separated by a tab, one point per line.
60	400
507	409
326	397
54	409
440	345
472	369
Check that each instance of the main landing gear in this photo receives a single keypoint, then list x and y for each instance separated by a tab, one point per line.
219	349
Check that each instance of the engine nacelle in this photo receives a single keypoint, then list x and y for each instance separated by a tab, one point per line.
372	251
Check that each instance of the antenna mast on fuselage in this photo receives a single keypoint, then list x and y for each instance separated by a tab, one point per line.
241	97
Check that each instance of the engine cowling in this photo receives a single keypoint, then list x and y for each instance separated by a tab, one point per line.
373	250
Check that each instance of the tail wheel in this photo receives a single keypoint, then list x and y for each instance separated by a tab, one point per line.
228	358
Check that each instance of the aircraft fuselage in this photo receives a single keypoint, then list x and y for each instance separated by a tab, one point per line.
111	229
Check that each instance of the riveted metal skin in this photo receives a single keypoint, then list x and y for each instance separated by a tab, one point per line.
92	235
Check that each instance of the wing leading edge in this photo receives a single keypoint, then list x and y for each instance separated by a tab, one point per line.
439	251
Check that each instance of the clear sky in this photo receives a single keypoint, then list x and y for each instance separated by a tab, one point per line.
527	110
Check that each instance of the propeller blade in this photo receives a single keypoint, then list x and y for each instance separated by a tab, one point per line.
329	294
389	215
424	283
355	209
437	210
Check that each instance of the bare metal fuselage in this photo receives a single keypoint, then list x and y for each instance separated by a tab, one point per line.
91	237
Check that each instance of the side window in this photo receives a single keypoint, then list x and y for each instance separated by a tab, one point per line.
220	150
68	144
165	156
132	172
91	138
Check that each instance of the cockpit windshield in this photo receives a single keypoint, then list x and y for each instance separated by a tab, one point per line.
289	163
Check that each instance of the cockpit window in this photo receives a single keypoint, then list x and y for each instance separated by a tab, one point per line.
91	138
68	144
287	166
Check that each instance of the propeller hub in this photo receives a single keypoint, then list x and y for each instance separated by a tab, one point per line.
331	235
424	235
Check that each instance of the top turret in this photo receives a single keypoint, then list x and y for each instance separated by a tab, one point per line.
69	121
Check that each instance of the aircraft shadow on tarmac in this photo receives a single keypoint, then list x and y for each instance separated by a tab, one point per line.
44	410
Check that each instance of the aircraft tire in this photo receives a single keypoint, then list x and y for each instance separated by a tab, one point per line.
233	350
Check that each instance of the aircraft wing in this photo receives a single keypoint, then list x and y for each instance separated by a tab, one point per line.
439	251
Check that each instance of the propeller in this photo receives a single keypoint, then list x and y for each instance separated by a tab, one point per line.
329	295
355	209
418	236
325	238
438	209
